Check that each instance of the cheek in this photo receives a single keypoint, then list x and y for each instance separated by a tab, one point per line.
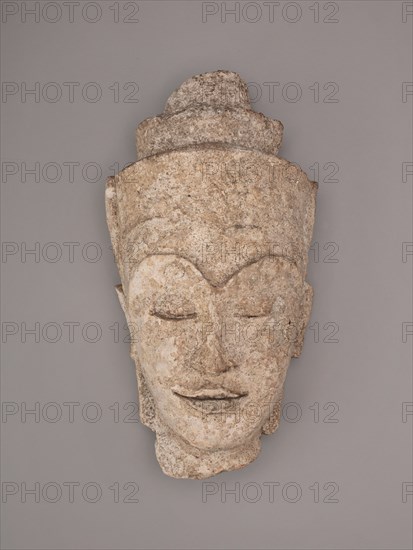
267	340
265	372
264	358
158	364
163	347
158	360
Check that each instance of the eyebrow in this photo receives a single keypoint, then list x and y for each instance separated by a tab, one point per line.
226	281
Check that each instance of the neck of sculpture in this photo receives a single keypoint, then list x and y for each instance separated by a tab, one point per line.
180	460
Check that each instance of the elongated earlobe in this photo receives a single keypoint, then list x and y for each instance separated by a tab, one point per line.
122	299
146	402
305	317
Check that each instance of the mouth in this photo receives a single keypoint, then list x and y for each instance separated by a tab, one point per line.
212	400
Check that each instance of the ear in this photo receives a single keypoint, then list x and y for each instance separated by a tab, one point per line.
122	299
146	402
274	420
304	318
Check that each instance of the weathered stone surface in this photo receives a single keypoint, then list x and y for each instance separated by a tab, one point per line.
211	232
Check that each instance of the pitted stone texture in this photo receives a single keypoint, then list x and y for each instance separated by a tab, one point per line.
209	109
211	234
219	208
217	89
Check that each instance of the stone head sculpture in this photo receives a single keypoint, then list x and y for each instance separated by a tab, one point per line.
211	231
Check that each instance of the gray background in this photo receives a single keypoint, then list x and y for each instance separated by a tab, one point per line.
366	293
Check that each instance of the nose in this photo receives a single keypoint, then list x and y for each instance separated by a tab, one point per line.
209	359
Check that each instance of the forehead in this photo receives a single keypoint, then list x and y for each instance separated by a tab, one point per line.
219	209
170	268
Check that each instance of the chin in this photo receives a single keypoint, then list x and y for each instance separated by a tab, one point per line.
211	435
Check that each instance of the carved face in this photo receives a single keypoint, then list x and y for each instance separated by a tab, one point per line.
210	231
214	356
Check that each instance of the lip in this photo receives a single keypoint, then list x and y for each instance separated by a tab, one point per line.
211	400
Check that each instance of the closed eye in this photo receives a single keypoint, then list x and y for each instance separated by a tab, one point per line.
172	307
171	316
253	315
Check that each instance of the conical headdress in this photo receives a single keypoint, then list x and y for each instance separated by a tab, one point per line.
209	187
